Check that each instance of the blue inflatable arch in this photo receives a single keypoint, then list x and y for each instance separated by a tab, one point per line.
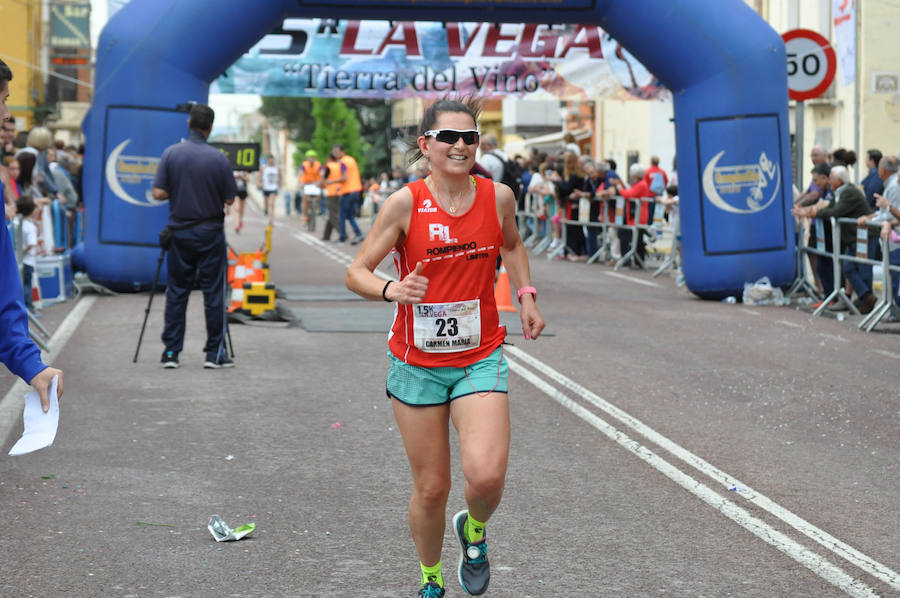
724	65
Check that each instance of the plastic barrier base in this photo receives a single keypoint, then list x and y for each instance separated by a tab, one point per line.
259	297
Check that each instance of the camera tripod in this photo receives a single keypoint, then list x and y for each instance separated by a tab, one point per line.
164	242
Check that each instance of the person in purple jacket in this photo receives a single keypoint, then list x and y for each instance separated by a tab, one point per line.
17	351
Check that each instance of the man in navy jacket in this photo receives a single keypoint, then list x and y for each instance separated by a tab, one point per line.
17	351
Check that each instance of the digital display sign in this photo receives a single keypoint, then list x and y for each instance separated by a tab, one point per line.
242	156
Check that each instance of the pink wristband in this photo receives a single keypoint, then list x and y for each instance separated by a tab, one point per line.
525	290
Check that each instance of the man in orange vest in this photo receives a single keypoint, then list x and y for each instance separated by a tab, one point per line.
333	173
310	174
351	193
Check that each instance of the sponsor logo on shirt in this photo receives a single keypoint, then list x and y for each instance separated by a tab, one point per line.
452	247
427	208
440	232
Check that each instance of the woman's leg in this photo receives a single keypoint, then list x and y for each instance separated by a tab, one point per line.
270	207
238	214
426	436
482	422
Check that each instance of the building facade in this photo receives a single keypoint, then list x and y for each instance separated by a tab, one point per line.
21	30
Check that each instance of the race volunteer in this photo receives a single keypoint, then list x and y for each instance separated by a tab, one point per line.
310	175
333	173
446	361
351	195
197	180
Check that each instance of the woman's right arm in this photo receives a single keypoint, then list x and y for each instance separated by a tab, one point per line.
388	230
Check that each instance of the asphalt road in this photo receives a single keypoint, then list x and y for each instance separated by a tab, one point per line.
662	446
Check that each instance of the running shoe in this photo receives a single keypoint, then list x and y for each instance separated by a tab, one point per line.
474	570
431	590
169	360
216	364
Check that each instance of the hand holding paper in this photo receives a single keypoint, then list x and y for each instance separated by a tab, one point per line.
40	427
41	383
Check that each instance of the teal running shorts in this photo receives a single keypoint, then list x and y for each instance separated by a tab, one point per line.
422	387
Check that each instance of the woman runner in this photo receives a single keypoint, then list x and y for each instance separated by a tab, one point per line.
446	360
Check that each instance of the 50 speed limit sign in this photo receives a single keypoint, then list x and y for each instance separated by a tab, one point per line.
811	64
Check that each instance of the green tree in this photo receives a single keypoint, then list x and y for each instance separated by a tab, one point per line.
337	124
369	142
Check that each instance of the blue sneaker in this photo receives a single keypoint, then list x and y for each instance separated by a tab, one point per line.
474	569
431	590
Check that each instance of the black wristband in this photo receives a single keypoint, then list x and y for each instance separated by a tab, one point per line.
384	291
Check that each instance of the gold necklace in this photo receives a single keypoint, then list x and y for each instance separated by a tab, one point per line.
450	207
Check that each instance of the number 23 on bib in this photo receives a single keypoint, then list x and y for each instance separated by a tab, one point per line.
447	327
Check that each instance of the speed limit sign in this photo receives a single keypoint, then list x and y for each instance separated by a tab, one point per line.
811	64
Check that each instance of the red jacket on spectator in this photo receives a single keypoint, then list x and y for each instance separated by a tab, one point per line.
652	170
639	189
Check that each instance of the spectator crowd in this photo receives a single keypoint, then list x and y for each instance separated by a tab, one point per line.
569	188
874	205
35	172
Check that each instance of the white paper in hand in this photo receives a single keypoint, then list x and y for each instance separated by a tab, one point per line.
40	427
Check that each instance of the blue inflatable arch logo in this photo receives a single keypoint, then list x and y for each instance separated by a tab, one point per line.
724	65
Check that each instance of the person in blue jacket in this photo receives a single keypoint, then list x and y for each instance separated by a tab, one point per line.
17	351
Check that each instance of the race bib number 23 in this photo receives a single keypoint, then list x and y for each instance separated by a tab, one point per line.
447	327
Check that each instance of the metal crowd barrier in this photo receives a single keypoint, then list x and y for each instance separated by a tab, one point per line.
528	223
883	307
539	241
608	228
604	242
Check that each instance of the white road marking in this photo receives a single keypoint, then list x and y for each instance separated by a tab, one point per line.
817	564
834	337
749	311
334	253
12	404
631	279
887	353
864	562
790	324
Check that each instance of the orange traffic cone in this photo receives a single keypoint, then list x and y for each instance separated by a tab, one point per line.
232	262
237	275
502	293
36	291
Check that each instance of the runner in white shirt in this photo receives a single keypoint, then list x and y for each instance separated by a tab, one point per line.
271	181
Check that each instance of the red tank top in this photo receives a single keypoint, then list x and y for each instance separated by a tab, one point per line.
457	322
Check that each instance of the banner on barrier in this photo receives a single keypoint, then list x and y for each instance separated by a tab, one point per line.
136	137
743	205
862	242
401	59
820	234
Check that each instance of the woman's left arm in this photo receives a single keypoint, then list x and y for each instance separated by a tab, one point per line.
515	259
